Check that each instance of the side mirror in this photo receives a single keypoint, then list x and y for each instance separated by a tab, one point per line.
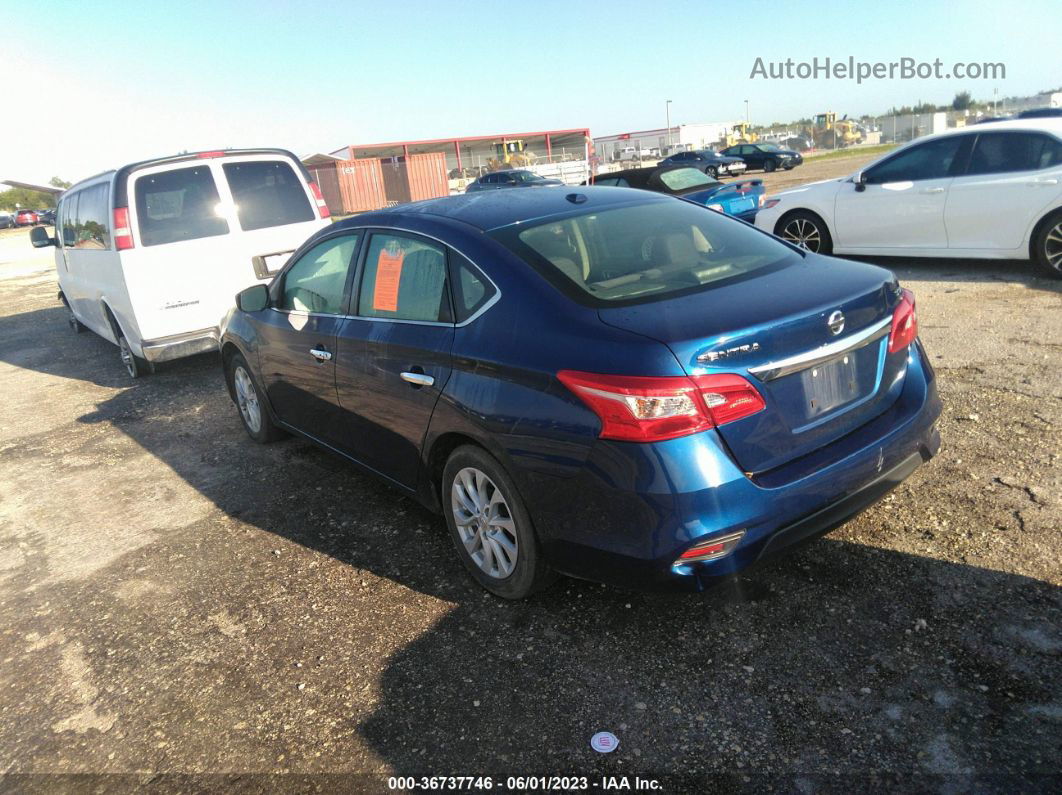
39	237
860	180
253	299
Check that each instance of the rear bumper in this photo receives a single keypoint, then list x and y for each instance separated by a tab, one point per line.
641	506
177	346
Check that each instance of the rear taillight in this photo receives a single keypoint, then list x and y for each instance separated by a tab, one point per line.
904	323
322	205
650	409
123	235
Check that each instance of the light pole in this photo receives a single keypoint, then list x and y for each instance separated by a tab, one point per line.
667	111
746	112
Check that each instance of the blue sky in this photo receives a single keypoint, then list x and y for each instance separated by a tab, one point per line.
117	81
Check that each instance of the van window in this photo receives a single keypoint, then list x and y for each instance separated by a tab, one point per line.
176	205
91	226
68	214
267	193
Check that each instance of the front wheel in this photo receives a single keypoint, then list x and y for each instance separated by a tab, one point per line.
712	172
769	166
1048	247
253	413
806	230
490	526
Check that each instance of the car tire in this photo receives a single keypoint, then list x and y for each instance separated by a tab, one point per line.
490	527
805	229
71	319
254	414
712	172
134	365
769	166
1047	246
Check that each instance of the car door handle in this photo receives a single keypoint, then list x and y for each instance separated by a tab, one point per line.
1044	182
418	379
320	354
933	190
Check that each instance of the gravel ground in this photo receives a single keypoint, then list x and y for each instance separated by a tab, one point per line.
177	600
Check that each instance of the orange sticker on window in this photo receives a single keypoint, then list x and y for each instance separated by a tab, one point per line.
388	275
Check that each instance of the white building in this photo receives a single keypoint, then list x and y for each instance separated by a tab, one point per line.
609	148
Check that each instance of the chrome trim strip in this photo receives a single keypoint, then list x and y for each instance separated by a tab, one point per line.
802	361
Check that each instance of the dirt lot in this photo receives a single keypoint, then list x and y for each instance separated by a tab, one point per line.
177	600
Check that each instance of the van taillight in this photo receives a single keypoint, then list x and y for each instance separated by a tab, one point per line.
123	235
322	205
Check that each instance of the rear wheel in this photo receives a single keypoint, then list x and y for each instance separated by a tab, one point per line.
253	413
769	166
134	365
490	526
806	230
1048	246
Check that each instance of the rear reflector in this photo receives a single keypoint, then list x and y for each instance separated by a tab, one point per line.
904	323
711	549
653	409
322	205
123	235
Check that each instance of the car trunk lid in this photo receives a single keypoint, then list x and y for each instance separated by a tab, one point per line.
811	337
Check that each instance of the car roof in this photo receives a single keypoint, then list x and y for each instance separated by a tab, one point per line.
488	210
1051	124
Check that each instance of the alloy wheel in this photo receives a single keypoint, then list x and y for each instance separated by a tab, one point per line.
247	399
1053	247
484	523
128	359
803	233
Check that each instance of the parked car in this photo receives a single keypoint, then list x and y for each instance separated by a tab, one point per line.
988	191
740	199
709	161
511	178
150	255
1040	113
765	156
26	218
597	381
46	217
7	220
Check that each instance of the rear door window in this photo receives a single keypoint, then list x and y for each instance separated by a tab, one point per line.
1003	152
404	279
177	205
267	193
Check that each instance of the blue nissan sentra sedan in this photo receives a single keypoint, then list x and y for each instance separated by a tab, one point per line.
605	383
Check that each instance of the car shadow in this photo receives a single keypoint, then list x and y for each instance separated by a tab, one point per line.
842	663
922	269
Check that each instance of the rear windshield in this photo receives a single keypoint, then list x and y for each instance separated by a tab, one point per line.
181	204
643	252
267	193
682	178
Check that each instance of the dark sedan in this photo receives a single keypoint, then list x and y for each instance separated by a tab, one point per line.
741	199
768	157
601	382
513	178
709	161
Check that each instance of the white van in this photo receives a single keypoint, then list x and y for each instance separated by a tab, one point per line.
152	255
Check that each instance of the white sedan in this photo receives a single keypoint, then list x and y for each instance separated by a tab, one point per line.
989	190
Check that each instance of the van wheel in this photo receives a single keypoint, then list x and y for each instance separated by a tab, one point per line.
73	322
134	365
253	412
1048	247
490	526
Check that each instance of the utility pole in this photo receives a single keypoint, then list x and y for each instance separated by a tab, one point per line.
667	112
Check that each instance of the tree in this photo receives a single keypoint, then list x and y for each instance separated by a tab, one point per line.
25	199
962	101
55	182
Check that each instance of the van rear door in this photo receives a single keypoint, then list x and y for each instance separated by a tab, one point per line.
208	227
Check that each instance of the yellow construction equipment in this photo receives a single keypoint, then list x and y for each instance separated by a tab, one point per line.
510	153
829	133
740	133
